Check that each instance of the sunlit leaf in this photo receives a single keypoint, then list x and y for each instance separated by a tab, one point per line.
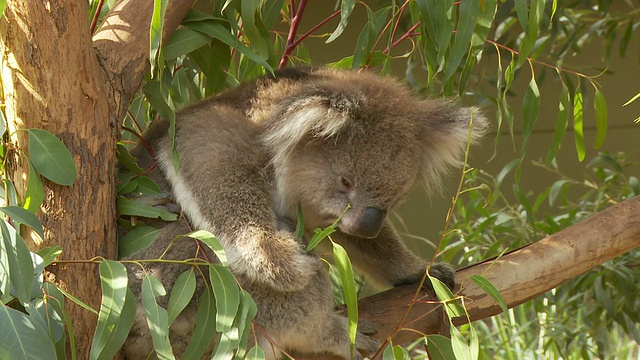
212	242
343	263
155	32
22	337
22	216
21	268
157	317
114	310
227	295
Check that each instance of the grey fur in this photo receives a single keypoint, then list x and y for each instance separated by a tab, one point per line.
319	138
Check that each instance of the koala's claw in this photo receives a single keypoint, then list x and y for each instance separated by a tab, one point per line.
366	344
445	273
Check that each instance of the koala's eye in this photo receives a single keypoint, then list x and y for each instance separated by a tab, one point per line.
346	183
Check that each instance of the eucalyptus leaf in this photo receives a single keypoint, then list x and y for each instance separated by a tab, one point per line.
136	240
22	337
50	157
25	217
227	296
157	317
181	294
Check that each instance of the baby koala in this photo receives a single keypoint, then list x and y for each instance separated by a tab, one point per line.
317	139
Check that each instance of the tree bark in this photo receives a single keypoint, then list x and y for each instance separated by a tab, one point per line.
519	276
54	79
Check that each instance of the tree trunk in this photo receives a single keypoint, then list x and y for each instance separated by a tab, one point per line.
53	79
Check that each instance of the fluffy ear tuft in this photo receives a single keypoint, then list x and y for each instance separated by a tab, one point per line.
451	132
317	116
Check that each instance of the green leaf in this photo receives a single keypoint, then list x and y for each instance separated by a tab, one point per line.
439	347
256	353
445	295
113	279
349	291
271	12
459	345
491	290
578	130
49	254
227	295
212	242
155	33
182	42
523	13
126	160
318	236
346	8
181	294
600	107
34	195
248	12
205	327
121	331
20	267
469	11
136	208
137	239
22	337
624	42
52	292
562	121
216	30
530	107
51	157
25	217
10	195
247	313
157	317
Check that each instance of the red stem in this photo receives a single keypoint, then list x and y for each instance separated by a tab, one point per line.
293	29
313	29
409	33
94	21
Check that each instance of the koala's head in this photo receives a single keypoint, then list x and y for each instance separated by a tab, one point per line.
343	139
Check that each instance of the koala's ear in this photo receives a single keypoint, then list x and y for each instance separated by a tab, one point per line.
315	115
449	129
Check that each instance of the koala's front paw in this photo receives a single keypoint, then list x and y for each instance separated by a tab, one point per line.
366	345
445	273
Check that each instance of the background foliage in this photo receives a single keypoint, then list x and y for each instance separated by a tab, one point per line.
464	49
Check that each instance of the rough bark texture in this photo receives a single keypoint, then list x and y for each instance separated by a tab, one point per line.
519	276
53	79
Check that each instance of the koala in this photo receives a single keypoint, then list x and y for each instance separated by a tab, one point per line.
314	139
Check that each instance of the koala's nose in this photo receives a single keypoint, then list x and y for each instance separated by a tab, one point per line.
370	222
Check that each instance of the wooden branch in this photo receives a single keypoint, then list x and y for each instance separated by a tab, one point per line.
122	45
519	276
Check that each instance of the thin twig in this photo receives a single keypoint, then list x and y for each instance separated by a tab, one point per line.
293	29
